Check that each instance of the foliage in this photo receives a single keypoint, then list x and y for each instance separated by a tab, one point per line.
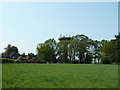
10	52
76	49
46	51
88	58
112	49
31	56
106	60
82	48
8	60
63	51
23	56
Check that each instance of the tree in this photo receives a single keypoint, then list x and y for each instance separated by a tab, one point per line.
14	52
88	58
109	49
23	55
11	52
63	51
80	37
112	49
7	51
47	50
81	46
51	44
31	56
96	51
72	49
105	60
117	52
81	50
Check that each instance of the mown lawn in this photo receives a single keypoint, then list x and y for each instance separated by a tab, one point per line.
0	76
59	76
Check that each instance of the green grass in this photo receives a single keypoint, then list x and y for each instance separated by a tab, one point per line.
0	76
59	76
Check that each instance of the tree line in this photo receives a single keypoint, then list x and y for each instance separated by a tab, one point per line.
75	49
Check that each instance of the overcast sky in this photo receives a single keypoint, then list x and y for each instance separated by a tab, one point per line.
26	24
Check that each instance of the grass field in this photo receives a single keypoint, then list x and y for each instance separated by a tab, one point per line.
0	76
59	76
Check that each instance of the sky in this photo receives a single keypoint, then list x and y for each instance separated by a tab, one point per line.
26	24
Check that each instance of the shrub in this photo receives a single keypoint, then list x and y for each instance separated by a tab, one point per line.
8	60
105	60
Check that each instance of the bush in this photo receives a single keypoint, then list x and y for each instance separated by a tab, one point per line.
105	60
8	60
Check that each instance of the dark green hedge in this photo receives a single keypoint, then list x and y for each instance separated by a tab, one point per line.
8	60
106	60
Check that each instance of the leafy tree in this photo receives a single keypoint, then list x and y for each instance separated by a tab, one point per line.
80	37
88	58
51	43
14	52
112	50
106	60
7	51
52	46
72	49
94	49
11	52
81	50
81	46
2	55
31	56
47	50
96	52
117	43
23	55
63	51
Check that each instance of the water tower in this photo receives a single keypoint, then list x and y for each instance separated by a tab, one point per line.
64	42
